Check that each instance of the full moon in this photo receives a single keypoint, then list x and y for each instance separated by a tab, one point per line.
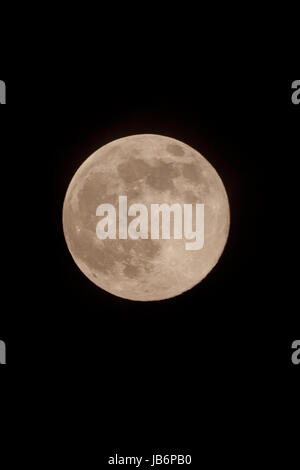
148	169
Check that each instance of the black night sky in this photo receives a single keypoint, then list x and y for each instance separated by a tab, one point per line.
158	374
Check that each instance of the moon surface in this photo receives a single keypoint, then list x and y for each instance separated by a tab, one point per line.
148	169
